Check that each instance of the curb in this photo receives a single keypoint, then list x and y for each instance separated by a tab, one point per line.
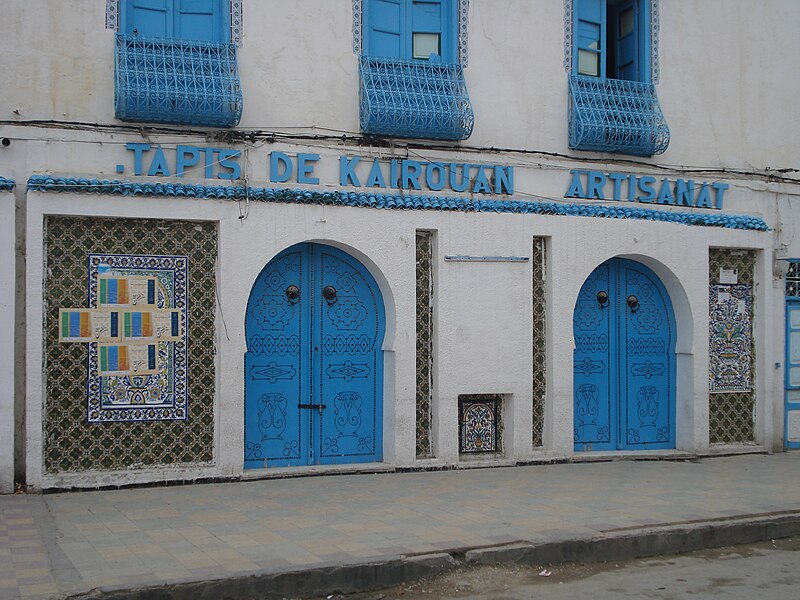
609	546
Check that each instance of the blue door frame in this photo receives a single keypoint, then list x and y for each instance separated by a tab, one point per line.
314	363
624	361
792	366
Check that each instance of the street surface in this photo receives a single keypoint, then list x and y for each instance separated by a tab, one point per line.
765	571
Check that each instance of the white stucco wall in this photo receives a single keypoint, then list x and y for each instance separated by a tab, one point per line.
7	320
727	90
726	84
482	311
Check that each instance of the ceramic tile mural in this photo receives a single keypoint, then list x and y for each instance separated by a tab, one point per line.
538	258
731	346
479	423
147	307
730	338
424	318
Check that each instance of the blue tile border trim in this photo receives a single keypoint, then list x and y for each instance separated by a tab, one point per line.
7	184
45	183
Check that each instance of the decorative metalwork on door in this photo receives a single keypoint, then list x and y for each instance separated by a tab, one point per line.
314	363
624	364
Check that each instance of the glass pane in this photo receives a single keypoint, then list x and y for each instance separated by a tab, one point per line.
794	318
588	63
793	396
426	44
794	376
626	22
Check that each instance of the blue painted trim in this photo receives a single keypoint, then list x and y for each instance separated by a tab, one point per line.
787	405
7	184
46	183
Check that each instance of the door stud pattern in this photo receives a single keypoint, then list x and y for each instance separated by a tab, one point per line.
624	361
314	368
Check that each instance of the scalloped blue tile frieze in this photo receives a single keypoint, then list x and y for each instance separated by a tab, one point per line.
7	184
46	183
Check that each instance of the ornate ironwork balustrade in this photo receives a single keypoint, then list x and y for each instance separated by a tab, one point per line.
176	81
615	115
414	99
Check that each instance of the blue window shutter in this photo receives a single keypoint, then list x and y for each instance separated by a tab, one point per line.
389	27
201	20
148	18
627	25
589	34
383	29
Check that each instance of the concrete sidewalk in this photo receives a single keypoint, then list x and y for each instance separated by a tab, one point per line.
291	536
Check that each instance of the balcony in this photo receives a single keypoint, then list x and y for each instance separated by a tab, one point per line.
176	81
414	99
615	115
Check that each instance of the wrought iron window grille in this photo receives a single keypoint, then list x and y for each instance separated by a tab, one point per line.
414	99
615	115
793	279
180	82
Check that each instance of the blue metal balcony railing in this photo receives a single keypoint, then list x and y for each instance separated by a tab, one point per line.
615	115
414	99
176	81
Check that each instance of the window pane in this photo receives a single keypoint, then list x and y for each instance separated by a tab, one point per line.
626	22
588	63
426	44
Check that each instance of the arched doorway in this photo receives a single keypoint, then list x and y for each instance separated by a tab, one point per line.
624	365
314	363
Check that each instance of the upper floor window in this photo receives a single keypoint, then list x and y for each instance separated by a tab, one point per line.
612	39
411	83
415	29
175	63
198	20
613	106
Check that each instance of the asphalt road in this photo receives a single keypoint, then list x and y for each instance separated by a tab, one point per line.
764	571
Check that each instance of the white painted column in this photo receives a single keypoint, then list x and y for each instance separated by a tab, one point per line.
7	285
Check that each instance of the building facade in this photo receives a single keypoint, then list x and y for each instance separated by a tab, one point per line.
254	237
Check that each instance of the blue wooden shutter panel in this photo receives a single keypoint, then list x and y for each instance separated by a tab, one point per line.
383	30
148	18
197	20
589	33
389	26
626	58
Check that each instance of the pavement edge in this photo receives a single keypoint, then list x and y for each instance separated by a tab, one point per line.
607	546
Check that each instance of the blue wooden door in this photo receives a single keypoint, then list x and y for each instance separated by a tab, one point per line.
792	369
314	363
624	361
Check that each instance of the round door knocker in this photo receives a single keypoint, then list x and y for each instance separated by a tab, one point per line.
293	294
602	298
329	293
633	303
